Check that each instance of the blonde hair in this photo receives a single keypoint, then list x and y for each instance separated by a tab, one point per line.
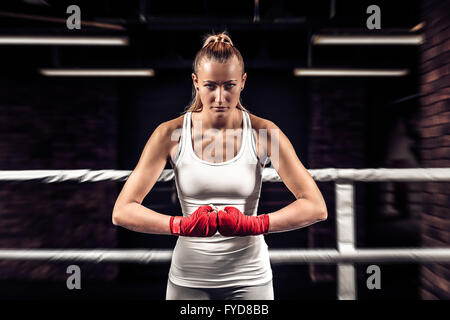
217	47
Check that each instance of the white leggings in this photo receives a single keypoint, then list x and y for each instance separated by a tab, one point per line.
262	292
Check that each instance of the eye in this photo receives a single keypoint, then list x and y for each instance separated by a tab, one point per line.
228	85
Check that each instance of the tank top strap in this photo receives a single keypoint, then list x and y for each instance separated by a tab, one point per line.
186	128
247	123
251	139
183	142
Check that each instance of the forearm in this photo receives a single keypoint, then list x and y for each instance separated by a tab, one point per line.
300	213
136	217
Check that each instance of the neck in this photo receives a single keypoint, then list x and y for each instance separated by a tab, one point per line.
210	120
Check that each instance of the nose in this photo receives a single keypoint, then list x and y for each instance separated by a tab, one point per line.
219	95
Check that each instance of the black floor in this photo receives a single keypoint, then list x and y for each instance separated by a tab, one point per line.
290	283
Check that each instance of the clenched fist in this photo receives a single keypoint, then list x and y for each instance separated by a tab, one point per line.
201	223
233	222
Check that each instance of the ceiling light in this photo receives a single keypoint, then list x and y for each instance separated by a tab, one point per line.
367	40
48	40
97	72
314	72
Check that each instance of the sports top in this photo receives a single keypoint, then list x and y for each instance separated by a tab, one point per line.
219	261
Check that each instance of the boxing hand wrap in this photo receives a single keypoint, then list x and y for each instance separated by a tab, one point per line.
233	222
201	223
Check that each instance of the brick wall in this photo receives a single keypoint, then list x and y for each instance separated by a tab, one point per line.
435	147
336	141
57	124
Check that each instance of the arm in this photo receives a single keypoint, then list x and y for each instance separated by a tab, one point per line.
309	206
128	211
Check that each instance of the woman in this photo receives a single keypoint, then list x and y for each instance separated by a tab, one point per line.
217	152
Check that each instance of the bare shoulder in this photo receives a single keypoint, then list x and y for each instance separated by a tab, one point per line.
261	123
165	136
168	127
170	133
176	123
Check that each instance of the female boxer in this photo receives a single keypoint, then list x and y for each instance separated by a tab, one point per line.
217	150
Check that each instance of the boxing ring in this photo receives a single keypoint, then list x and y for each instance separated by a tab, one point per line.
345	256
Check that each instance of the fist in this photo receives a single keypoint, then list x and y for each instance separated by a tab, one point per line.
232	222
201	223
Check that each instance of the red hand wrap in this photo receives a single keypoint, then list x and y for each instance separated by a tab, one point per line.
201	223
233	222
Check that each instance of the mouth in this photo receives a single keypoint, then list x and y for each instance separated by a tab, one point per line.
219	108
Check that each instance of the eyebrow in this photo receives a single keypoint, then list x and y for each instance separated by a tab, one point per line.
216	82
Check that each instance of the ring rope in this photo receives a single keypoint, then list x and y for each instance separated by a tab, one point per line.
277	256
268	175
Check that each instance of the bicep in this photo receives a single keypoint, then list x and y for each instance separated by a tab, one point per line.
289	167
149	168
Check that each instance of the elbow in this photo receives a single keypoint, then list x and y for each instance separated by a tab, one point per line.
117	216
120	214
323	214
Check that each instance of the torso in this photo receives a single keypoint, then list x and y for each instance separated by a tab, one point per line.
177	123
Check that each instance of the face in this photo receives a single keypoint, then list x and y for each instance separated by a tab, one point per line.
219	85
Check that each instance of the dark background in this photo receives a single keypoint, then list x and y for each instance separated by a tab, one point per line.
104	123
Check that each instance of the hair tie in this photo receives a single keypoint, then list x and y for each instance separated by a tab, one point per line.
219	39
223	40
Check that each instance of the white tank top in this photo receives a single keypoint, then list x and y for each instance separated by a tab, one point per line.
219	261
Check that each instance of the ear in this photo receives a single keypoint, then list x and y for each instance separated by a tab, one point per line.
195	80
244	77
